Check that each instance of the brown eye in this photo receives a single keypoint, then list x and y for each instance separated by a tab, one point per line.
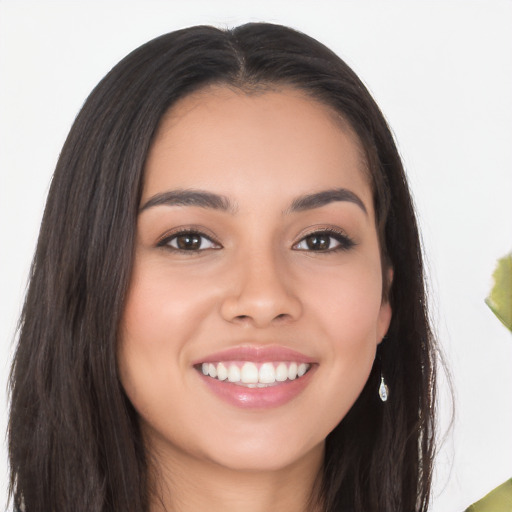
324	241
318	242
189	241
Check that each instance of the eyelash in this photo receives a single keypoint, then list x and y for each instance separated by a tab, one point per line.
166	241
345	242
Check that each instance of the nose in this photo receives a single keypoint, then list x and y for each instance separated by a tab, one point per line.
260	292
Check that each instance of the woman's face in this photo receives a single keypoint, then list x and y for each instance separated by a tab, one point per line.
257	260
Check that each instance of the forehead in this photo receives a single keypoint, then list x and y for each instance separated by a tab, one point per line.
220	138
262	97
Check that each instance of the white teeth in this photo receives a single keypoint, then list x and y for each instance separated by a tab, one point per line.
281	372
292	371
212	370
249	375
222	372
267	373
234	373
301	370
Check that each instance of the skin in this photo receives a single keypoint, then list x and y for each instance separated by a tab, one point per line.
257	284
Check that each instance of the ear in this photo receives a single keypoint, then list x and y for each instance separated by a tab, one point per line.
385	312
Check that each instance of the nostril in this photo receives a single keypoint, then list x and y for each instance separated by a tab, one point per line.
260	310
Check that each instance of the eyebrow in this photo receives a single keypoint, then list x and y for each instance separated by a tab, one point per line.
319	199
199	198
203	199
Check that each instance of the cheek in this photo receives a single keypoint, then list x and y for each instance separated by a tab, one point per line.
164	308
347	310
348	303
163	316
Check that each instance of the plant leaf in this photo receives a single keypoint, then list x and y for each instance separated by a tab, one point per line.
499	500
500	298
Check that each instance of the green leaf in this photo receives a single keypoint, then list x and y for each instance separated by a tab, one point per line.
500	298
499	500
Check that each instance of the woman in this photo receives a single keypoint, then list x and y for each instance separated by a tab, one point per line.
227	286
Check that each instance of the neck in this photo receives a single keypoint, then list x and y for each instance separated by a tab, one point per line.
185	484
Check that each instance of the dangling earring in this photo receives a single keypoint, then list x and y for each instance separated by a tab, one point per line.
383	389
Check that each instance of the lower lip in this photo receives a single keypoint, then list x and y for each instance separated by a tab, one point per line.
258	398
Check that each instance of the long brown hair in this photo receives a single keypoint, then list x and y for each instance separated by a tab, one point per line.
74	439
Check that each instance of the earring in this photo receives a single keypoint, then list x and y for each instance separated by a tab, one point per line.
383	389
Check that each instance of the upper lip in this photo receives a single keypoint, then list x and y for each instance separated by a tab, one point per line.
257	354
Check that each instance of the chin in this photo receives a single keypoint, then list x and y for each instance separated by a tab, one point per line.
264	453
266	461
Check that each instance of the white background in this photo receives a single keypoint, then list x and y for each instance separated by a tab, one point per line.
441	72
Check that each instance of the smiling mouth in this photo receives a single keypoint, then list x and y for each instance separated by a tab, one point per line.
254	375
